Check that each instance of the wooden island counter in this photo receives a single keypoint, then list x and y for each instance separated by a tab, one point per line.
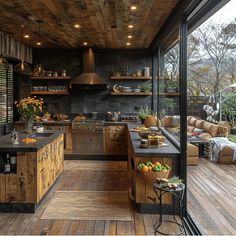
37	168
141	192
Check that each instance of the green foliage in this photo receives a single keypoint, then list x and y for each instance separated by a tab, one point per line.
146	88
169	105
229	108
144	111
172	83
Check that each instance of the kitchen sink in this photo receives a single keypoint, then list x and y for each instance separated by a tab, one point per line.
41	135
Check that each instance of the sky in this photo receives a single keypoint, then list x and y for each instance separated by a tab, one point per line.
226	14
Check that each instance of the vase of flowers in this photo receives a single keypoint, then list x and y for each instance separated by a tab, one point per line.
28	108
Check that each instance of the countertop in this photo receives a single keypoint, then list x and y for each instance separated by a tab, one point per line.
53	122
169	150
6	146
69	122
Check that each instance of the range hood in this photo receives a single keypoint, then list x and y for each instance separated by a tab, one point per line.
88	79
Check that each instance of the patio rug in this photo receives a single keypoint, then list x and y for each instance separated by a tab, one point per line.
95	165
89	205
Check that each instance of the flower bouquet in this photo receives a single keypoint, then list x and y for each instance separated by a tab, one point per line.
28	108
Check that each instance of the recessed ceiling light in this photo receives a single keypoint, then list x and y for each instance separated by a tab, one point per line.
38	43
130	26
85	43
130	36
133	7
76	25
26	36
128	44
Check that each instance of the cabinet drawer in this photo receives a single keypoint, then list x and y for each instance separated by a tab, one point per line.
56	127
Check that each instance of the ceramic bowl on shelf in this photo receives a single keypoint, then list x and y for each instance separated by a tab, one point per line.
137	90
125	89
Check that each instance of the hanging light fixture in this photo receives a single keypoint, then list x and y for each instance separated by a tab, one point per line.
38	69
3	60
22	67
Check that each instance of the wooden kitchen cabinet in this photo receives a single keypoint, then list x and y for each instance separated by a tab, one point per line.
67	135
50	164
36	172
115	140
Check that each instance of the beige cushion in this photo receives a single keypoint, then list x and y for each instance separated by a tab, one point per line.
190	128
192	121
205	136
207	127
192	150
188	119
199	124
214	130
222	131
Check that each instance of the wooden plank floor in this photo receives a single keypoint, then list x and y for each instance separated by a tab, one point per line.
212	197
82	180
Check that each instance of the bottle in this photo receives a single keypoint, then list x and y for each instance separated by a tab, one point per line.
7	166
127	71
13	164
63	73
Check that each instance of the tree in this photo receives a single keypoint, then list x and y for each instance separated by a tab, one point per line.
216	42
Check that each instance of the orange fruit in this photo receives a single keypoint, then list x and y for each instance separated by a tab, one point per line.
150	168
157	163
145	169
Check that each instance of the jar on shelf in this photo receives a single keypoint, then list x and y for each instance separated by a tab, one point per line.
55	74
63	73
49	73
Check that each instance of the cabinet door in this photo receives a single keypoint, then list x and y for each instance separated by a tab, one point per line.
61	153
47	165
117	132
61	127
2	188
115	140
43	171
95	143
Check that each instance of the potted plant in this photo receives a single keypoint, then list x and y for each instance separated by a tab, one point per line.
229	110
143	112
146	88
28	108
172	85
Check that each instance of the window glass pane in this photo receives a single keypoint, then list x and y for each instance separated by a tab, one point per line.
169	92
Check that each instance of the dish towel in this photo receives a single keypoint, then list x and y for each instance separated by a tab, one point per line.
217	144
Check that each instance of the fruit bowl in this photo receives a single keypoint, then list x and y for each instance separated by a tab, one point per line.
144	133
59	117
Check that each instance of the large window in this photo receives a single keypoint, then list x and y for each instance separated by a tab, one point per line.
169	90
6	95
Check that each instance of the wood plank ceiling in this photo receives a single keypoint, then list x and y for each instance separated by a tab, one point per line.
103	23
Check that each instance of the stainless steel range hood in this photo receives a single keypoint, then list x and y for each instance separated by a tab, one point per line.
88	79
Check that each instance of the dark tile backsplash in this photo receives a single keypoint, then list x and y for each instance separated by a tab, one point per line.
100	101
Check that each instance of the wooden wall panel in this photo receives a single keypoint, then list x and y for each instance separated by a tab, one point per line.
103	24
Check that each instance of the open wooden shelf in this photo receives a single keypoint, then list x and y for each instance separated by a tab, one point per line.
50	77
49	93
170	94
130	78
131	94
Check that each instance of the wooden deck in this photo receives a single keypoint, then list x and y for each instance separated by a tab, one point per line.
96	178
212	197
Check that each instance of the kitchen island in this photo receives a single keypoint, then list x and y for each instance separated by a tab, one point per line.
141	191
36	168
